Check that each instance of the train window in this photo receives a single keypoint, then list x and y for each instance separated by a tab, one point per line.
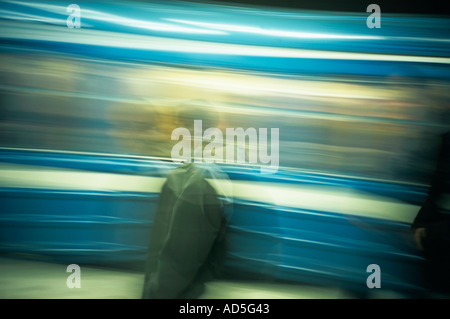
333	124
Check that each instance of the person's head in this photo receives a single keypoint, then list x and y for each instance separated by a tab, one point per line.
189	111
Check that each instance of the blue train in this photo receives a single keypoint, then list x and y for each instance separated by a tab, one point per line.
91	94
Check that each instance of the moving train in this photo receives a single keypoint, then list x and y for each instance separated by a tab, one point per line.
91	94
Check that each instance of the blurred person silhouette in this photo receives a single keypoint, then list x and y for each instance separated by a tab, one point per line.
187	243
431	227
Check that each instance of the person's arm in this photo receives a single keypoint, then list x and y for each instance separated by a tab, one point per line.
428	223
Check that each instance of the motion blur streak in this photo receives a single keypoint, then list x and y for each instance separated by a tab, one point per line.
86	117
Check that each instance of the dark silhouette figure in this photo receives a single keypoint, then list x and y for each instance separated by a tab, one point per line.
431	227
187	237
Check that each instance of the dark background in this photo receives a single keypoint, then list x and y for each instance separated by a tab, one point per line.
440	7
